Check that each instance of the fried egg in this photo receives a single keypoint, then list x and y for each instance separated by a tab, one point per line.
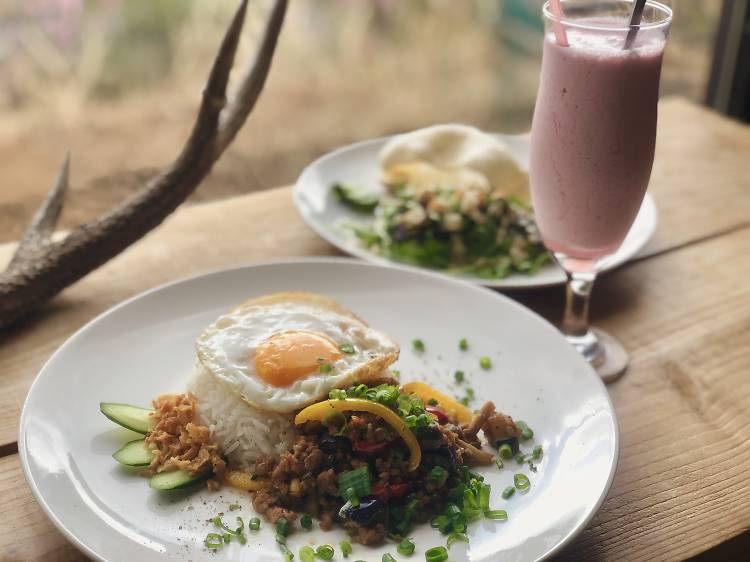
284	351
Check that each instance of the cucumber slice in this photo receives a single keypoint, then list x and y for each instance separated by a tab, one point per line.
175	480
131	417
134	453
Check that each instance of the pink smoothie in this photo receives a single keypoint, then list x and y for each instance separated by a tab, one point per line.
592	138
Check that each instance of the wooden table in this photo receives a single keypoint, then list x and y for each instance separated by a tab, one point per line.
682	309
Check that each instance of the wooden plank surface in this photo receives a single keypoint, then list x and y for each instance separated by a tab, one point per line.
682	311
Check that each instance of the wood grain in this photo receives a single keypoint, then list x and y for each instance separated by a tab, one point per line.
683	311
26	534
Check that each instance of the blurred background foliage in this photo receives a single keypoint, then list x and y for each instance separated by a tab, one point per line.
118	81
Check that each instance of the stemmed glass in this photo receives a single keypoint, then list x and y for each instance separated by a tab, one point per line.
592	147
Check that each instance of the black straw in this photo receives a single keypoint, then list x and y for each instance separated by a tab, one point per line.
635	21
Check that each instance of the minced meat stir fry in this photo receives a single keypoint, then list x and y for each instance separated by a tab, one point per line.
351	468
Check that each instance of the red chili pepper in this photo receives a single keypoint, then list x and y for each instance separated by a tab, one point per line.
369	447
438	413
385	491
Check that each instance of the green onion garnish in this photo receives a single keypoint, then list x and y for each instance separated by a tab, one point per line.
405	547
346	548
351	496
324	552
459	376
285	552
521	481
499	463
357	482
337	394
526	432
456	537
254	524
418	345
227	538
234	506
213	541
388	558
463	345
508	492
306	521
485	362
520	458
536	454
432	402
325	368
484	497
307	554
282	527
496	514
436	554
347	348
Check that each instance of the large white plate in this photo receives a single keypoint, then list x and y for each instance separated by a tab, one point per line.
358	164
144	347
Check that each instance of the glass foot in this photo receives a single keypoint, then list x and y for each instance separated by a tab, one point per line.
605	354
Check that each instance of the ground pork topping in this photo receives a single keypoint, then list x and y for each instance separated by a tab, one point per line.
178	442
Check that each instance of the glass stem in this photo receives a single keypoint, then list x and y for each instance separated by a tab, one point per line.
578	293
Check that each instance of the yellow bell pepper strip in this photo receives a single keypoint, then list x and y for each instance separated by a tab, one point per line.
320	410
454	409
244	481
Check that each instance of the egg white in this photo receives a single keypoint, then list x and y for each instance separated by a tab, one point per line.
227	348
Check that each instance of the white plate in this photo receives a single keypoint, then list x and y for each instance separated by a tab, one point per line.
144	347
358	164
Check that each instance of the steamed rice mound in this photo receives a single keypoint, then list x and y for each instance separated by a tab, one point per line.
243	432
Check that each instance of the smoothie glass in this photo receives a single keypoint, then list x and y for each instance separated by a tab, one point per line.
592	147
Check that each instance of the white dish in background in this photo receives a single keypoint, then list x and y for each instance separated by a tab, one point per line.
357	164
144	347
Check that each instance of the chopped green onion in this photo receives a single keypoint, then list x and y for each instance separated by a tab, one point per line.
484	497
358	480
527	433
485	362
436	474
508	492
463	345
307	554
499	463
521	481
418	345
347	348
506	452
520	458
456	537
496	514
227	538
536	454
351	496
337	394
432	402
324	552
254	524
436	554
213	541
346	548
286	553
406	547
388	558
282	527
459	376
234	506
464	401
306	521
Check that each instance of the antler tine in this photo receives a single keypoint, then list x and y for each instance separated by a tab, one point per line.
43	223
33	282
252	82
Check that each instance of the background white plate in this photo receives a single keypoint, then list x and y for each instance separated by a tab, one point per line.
358	164
144	347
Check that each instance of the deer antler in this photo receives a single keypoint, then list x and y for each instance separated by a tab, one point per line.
41	267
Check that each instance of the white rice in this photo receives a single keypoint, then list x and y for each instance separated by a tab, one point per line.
242	431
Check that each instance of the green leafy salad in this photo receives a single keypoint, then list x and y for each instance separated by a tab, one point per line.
470	230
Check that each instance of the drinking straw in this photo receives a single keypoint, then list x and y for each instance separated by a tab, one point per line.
635	21
557	11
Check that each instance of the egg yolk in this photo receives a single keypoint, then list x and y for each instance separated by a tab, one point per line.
288	356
